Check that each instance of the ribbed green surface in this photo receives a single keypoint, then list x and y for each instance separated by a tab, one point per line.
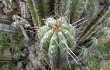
56	36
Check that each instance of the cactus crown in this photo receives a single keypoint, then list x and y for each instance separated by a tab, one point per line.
55	25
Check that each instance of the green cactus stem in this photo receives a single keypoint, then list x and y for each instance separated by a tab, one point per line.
55	37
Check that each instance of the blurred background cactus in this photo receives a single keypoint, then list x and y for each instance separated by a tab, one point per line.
54	34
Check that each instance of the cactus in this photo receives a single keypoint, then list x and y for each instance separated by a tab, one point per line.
55	37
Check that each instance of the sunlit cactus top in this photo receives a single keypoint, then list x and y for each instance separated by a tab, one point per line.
59	26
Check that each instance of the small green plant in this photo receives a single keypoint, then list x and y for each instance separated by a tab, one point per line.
56	38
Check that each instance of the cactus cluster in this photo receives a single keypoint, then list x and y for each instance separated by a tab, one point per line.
56	37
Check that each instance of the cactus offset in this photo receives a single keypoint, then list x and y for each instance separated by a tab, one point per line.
55	37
